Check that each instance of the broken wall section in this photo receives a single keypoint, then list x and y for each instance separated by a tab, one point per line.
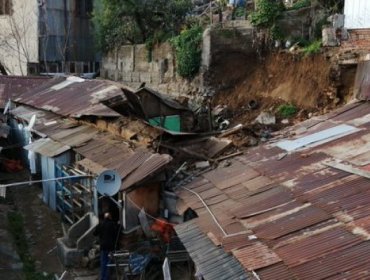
134	64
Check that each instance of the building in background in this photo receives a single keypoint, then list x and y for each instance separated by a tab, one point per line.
47	36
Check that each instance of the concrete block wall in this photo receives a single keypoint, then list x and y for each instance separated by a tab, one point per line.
134	64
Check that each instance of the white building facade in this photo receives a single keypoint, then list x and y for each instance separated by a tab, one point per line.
357	14
18	35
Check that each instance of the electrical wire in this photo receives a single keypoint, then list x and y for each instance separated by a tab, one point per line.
208	209
45	180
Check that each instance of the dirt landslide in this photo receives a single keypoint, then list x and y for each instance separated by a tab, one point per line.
314	84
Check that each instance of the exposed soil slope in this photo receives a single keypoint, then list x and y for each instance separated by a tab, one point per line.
312	83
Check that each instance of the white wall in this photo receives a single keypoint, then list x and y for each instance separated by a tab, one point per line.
19	37
357	14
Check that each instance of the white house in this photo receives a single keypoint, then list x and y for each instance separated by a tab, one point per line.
18	35
47	36
357	14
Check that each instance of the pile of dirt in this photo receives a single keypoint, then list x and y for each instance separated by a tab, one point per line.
314	84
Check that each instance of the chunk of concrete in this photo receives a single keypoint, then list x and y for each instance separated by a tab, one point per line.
266	118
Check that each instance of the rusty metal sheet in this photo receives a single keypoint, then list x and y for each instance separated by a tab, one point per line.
317	180
90	166
231	176
209	148
263	202
153	164
233	242
356	273
301	219
212	261
362	81
292	165
278	271
12	86
72	96
254	185
47	147
75	136
316	246
237	192
331	198
256	256
336	263
263	217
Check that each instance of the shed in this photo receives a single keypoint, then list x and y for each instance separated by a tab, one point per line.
160	110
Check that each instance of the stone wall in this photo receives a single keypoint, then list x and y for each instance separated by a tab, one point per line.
134	65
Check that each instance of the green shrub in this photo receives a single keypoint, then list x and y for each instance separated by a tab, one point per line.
16	228
313	48
266	13
188	51
301	4
287	110
239	12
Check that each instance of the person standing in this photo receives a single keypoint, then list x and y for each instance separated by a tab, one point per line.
107	230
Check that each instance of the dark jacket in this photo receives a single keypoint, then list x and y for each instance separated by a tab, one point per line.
108	231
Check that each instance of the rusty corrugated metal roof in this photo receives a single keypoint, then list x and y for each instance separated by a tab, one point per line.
12	86
47	147
72	96
256	256
99	149
212	261
311	220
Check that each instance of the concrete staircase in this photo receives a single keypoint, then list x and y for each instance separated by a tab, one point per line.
78	240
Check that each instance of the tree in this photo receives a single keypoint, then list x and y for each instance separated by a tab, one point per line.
17	42
138	21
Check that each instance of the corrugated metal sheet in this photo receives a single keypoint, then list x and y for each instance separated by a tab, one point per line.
298	220
357	14
338	264
47	147
133	166
362	81
311	219
276	271
212	262
72	96
12	86
317	138
316	246
91	166
153	164
256	256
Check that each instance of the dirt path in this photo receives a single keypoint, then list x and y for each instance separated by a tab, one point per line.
42	228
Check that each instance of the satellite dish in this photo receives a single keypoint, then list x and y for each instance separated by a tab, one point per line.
31	123
108	183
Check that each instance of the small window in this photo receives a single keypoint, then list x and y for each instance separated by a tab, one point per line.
6	7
